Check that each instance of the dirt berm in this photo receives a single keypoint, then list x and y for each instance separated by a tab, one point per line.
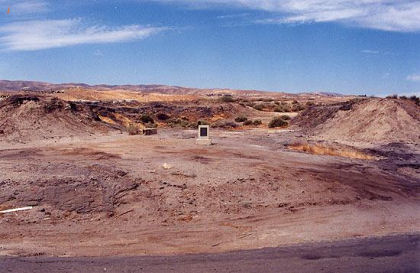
370	120
26	118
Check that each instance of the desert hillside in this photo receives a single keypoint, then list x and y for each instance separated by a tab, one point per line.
282	169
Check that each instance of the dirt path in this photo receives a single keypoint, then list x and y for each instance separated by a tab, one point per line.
383	254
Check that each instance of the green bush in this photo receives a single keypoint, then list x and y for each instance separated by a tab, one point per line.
277	122
241	119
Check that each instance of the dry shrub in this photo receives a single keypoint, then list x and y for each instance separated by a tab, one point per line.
132	129
227	98
257	122
278	122
146	119
241	119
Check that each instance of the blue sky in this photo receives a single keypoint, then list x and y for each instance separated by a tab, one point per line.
358	47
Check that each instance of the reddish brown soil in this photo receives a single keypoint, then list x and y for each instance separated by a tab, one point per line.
369	121
97	191
26	118
111	195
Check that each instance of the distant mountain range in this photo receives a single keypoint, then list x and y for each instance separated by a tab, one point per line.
6	85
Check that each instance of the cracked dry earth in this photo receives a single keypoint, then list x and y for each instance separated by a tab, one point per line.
163	194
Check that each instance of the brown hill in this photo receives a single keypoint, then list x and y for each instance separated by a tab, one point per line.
370	120
26	117
34	86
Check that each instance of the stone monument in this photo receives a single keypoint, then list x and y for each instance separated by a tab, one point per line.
203	135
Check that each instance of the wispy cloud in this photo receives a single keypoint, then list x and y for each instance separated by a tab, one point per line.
413	77
369	51
388	15
233	16
44	34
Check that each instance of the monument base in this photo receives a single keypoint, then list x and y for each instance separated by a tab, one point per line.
203	141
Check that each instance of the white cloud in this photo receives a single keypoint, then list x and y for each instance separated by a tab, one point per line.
413	77
388	15
368	51
43	34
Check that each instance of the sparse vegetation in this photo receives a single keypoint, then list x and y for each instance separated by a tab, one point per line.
248	122
415	99
257	122
146	119
225	124
283	108
181	123
227	98
285	117
241	119
132	129
162	116
277	122
297	107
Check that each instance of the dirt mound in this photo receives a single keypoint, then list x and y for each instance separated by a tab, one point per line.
368	120
27	117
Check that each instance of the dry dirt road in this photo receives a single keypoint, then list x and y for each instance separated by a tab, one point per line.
382	254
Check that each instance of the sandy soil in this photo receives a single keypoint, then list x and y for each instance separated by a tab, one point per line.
163	194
